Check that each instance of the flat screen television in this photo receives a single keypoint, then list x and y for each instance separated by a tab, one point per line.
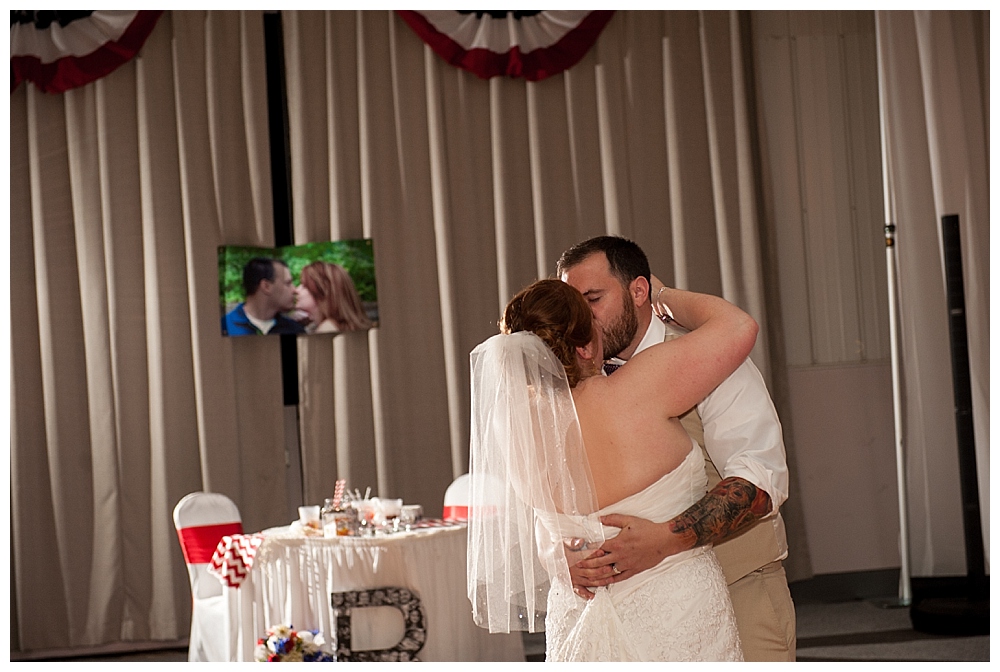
311	289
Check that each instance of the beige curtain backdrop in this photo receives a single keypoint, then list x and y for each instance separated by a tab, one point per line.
124	395
935	66
471	189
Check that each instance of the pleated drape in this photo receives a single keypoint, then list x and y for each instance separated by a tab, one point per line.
935	108
125	397
472	189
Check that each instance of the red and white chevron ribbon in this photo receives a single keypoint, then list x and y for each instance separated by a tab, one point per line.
234	557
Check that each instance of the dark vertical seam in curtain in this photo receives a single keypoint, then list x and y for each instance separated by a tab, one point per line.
281	176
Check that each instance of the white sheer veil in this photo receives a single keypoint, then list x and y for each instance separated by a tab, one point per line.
531	490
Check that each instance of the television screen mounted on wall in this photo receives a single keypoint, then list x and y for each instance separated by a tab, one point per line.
316	288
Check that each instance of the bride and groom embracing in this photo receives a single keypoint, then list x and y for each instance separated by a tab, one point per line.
593	511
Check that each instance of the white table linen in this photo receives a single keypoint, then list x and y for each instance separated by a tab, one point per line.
293	578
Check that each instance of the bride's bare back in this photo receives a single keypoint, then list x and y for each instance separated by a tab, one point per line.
629	420
629	446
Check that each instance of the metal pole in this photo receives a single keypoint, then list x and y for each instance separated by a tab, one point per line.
905	594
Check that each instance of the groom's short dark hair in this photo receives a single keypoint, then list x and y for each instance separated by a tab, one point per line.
256	271
626	259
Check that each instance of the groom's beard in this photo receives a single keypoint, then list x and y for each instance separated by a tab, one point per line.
619	334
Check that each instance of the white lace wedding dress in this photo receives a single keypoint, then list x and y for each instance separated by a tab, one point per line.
677	611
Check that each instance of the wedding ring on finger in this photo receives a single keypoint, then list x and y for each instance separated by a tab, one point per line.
615	570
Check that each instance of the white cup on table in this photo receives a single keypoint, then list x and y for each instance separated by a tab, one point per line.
309	517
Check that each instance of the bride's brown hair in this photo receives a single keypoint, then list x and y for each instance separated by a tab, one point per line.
558	314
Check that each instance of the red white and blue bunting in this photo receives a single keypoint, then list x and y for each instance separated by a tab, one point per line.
529	44
63	49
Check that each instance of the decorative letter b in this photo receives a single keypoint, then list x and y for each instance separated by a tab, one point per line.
405	600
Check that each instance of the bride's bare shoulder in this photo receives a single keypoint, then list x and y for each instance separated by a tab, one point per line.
604	391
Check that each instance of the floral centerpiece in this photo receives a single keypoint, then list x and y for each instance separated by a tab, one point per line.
282	644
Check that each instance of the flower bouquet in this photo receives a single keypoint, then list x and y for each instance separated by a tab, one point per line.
282	644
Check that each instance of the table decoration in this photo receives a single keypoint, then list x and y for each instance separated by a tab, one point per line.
414	619
410	515
283	644
428	523
338	520
233	558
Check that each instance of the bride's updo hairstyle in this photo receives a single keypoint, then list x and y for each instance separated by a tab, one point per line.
558	314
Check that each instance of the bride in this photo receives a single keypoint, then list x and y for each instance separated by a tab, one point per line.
555	445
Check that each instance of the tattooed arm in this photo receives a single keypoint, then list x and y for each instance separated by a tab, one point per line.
730	507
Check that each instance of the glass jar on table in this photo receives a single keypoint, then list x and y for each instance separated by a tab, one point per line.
337	522
366	510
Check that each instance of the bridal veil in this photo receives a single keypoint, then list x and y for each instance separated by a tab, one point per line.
532	497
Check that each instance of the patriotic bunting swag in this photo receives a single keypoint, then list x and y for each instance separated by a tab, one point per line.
64	49
529	44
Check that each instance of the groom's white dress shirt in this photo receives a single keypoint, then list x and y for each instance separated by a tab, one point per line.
743	439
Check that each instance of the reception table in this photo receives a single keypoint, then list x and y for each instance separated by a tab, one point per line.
400	592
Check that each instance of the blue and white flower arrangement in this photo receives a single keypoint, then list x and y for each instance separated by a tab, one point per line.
283	644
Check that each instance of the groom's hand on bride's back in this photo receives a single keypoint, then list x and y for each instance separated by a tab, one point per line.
640	545
730	507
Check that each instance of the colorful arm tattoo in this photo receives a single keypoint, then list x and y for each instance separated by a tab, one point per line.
731	506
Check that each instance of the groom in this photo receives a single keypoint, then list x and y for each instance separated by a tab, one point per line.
740	435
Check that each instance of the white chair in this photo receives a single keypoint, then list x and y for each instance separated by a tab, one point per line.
201	520
456	500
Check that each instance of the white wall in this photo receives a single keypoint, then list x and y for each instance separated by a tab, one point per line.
842	423
817	108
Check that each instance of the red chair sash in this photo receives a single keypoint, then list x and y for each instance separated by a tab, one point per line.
199	543
455	513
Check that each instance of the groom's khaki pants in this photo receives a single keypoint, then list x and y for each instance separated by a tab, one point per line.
765	616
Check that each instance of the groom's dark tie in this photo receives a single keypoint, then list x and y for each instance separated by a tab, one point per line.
610	368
